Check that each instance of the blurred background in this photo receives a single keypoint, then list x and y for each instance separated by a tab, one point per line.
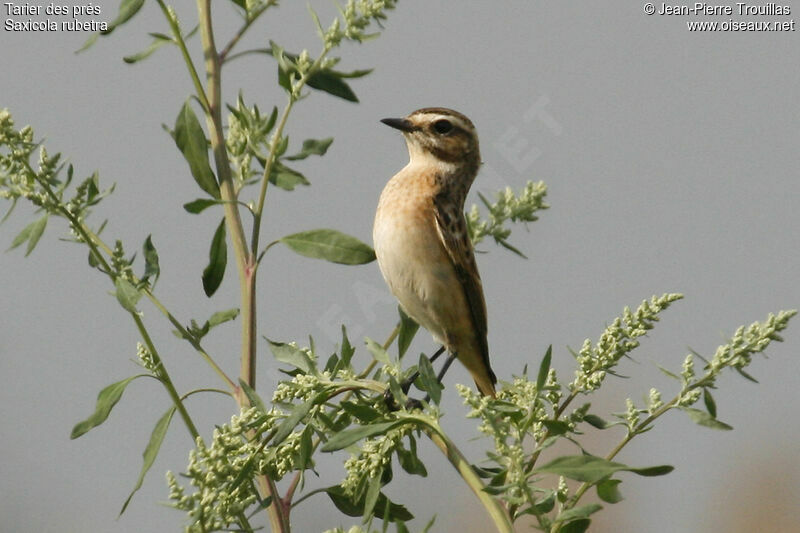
672	165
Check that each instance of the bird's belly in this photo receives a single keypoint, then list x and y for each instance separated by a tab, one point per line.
417	270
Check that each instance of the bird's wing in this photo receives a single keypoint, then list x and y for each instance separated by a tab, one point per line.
452	229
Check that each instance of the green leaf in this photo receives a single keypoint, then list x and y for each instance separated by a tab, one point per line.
704	419
373	491
36	234
199	205
377	351
711	405
396	392
354	73
652	471
93	261
151	451
106	400
544	369
31	233
291	355
88	43
556	427
592	469
331	82
285	65
745	375
220	317
22	236
290	422
217	260
597	422
408	329
191	141
283	144
285	177
127	9
546	504
345	438
127	295
330	245
428	381
668	373
409	460
346	351
346	505
306	449
577	513
11	209
151	268
158	41
312	147
364	413
576	526
608	492
315	18
252	396
429	525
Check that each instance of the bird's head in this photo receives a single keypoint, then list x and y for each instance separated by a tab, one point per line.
444	135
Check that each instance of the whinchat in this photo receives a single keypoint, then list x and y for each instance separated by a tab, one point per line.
421	240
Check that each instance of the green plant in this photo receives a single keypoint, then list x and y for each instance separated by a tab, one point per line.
329	404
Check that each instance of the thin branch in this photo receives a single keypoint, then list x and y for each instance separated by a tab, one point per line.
249	20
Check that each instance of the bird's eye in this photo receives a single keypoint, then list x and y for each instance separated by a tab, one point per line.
443	126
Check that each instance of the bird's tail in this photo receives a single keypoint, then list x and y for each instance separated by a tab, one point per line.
477	362
485	383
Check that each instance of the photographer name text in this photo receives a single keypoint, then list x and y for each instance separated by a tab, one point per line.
738	8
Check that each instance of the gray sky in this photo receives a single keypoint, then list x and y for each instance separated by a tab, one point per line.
671	158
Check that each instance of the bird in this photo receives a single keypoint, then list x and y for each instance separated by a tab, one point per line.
421	241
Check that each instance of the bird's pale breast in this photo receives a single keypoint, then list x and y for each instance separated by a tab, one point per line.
412	258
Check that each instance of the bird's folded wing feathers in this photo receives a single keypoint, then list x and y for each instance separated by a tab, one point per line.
452	229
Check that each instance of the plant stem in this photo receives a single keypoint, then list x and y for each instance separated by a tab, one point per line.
628	437
163	376
245	261
181	42
495	509
308	494
294	95
96	244
249	20
556	415
350	388
262	194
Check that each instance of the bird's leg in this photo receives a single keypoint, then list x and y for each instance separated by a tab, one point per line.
406	385
388	398
447	363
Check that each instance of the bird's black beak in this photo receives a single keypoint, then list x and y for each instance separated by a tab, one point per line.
401	124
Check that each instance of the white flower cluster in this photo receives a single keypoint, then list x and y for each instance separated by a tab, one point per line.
17	178
617	340
375	455
746	342
146	359
220	497
508	206
357	15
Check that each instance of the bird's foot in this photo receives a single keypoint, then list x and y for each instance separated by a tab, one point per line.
392	405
